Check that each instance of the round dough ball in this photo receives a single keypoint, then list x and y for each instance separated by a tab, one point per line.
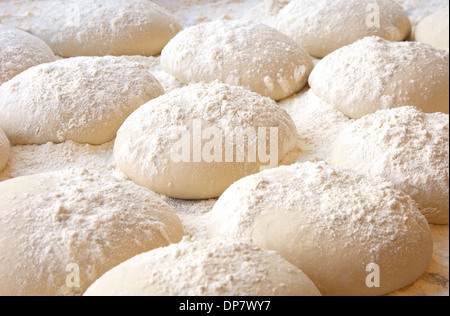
84	99
61	231
323	26
4	150
408	148
205	268
241	53
374	74
434	29
20	51
100	27
332	224
194	142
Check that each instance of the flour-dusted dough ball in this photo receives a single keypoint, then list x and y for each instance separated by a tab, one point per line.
4	149
194	142
332	224
323	26
408	148
242	53
434	29
99	27
374	74
83	99
20	51
205	268
61	231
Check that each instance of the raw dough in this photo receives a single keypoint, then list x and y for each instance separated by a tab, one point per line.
205	268
434	29
97	27
374	74
251	55
323	26
332	224
53	223
4	150
84	99
20	51
408	148
155	146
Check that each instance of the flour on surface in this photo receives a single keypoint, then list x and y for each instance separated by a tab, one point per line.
318	125
32	159
419	9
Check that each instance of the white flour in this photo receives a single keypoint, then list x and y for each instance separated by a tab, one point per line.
419	9
33	159
317	123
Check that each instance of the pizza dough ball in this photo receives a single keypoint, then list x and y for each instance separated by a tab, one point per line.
374	74
83	99
20	51
61	231
408	148
338	227
205	268
194	142
100	27
242	53
323	26
434	29
4	150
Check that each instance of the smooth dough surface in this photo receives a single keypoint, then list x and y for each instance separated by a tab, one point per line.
434	29
408	148
374	74
205	268
4	150
84	99
323	26
97	27
20	51
332	224
57	224
151	149
251	55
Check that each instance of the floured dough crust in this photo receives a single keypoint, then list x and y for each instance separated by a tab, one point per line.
205	268
251	55
56	224
332	224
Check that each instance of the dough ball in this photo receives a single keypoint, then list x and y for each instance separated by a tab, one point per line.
408	148
434	29
99	27
205	268
20	51
83	99
332	224
323	26
374	74
241	53
61	231
194	142
4	150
